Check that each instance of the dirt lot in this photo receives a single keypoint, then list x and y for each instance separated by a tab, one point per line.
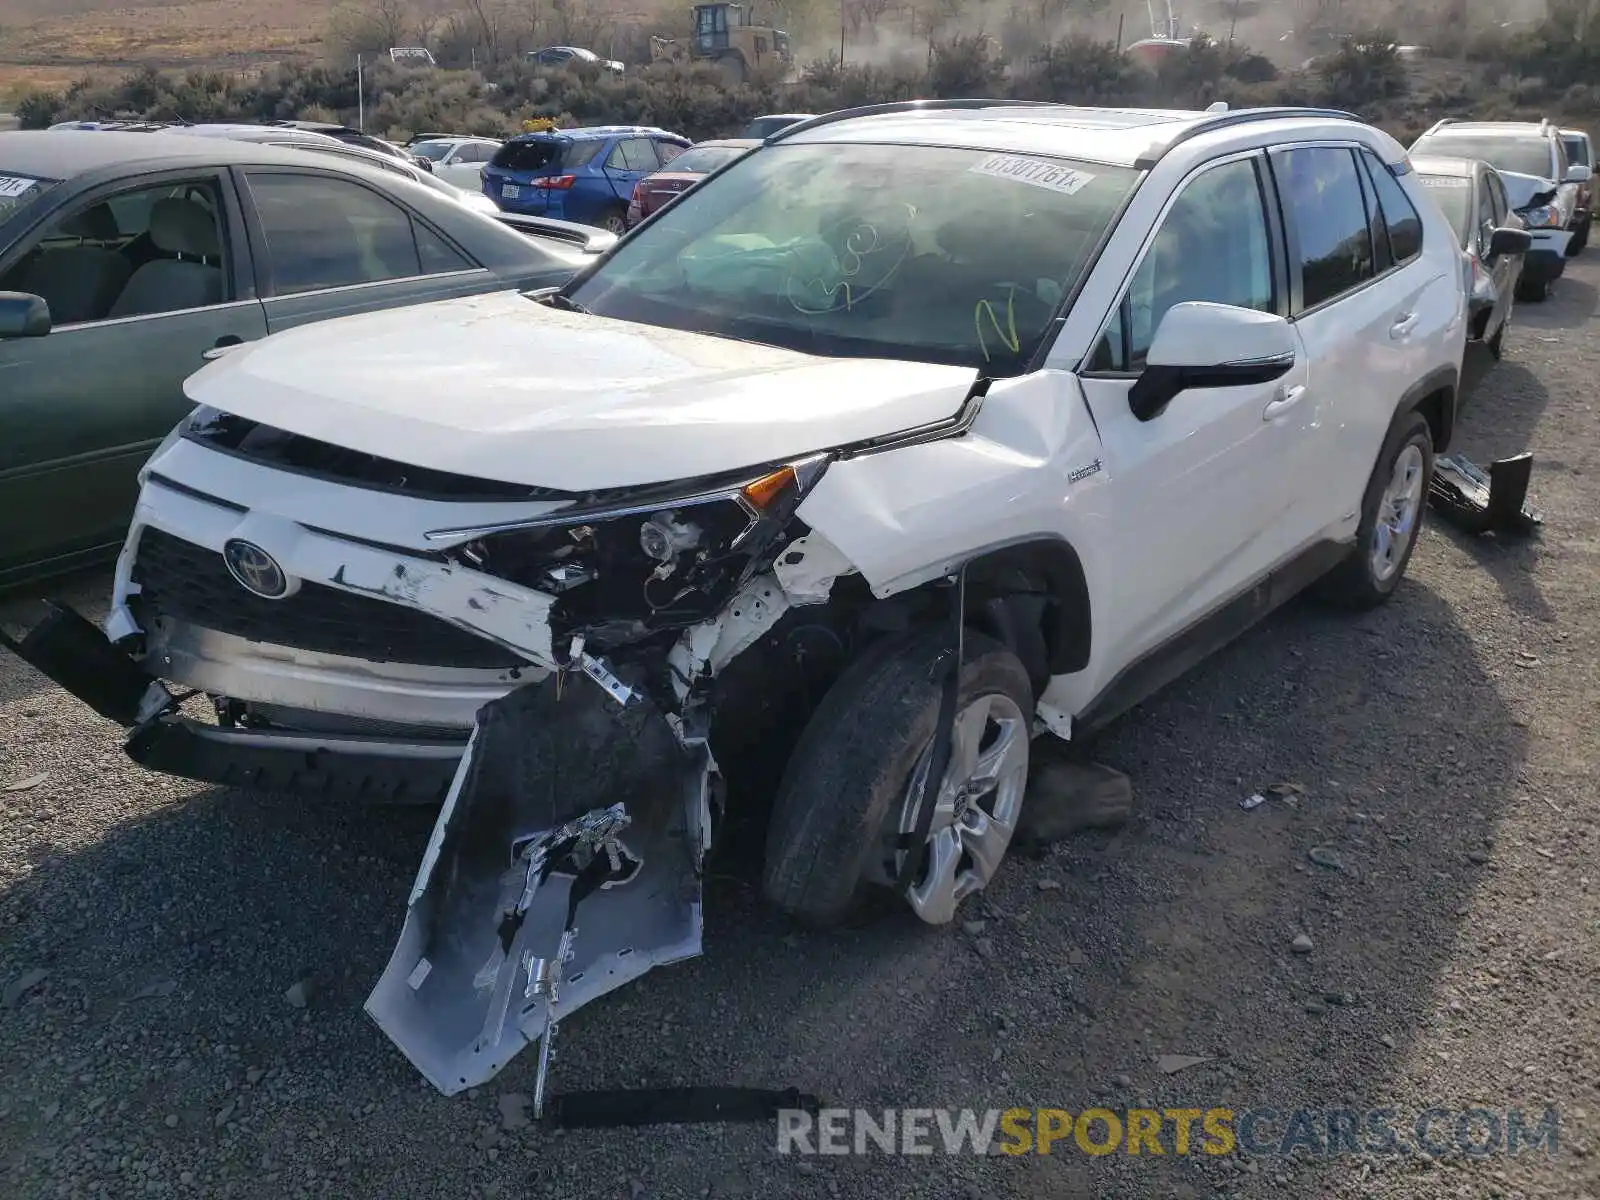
1447	749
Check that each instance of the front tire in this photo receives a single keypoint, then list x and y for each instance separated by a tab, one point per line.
846	795
1532	289
1391	519
1580	238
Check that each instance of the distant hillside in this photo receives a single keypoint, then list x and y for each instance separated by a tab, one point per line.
48	42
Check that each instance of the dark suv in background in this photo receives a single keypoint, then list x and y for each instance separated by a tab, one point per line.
585	175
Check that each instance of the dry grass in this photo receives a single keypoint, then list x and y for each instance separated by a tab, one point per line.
49	42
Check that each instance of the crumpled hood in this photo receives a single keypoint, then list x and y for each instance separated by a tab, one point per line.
500	387
1521	189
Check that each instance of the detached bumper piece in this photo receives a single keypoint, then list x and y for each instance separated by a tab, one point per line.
363	769
73	652
1480	503
565	863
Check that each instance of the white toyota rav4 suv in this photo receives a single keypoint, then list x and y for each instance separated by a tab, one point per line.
918	432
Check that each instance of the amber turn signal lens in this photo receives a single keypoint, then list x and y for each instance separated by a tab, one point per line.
762	492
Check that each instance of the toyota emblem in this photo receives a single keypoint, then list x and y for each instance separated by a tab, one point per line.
256	571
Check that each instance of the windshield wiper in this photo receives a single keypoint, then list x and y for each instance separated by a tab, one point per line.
556	298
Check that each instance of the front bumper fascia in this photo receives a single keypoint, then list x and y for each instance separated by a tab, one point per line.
74	653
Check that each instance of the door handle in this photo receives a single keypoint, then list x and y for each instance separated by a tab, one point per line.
1403	324
1286	399
223	346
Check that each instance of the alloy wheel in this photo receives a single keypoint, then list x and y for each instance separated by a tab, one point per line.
976	807
1398	510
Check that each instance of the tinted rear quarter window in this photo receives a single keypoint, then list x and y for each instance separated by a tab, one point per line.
1399	214
1322	197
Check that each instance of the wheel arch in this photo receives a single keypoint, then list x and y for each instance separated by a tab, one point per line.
1436	397
1033	596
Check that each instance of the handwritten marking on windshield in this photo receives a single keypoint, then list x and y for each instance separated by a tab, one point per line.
1008	335
819	293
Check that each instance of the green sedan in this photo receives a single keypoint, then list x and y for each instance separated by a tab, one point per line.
127	259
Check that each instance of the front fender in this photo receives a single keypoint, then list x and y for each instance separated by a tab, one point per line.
906	516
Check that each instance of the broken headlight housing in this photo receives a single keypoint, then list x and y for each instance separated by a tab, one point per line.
623	566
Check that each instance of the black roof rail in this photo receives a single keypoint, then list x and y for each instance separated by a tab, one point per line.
900	106
1240	116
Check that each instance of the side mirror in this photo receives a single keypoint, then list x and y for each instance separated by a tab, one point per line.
1204	345
1579	174
1509	241
23	315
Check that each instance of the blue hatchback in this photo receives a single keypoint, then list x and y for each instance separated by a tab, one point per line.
584	175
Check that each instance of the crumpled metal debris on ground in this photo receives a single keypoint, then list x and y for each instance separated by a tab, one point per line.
1485	502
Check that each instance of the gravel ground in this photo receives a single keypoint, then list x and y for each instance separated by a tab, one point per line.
1446	747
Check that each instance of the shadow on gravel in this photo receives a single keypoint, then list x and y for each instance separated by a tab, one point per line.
171	942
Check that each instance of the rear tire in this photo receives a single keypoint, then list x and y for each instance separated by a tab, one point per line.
845	784
1391	520
614	220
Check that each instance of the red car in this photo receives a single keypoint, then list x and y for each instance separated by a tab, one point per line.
687	169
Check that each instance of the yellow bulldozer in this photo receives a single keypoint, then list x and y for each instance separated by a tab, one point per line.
727	35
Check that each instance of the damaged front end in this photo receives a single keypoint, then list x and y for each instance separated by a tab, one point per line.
566	862
567	858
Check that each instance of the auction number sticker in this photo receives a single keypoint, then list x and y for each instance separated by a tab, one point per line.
1036	171
1445	181
12	186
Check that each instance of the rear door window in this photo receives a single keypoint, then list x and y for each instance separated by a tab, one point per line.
323	233
1321	195
633	154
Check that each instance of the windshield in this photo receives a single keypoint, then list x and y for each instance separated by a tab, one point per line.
1578	151
432	151
17	190
1454	195
926	253
1524	155
702	160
